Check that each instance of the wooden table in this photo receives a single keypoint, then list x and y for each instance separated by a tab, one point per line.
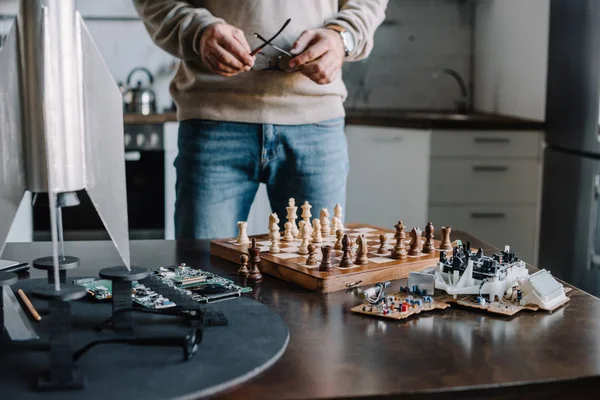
455	353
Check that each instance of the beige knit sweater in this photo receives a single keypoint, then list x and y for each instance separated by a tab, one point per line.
257	96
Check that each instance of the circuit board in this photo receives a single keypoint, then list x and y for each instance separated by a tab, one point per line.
199	285
401	306
392	306
291	266
506	306
202	286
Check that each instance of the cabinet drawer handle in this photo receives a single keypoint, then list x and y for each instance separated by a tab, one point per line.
387	139
489	140
490	168
133	156
488	215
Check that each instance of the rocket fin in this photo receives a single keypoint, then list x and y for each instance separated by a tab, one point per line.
104	142
12	165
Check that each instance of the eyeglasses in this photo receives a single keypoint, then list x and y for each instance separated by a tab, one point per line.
267	42
281	62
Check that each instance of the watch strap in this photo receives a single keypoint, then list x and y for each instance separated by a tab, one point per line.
340	30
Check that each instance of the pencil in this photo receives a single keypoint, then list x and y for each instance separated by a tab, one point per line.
29	306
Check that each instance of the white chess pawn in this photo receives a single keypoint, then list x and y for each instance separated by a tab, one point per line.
316	234
325	224
274	234
242	236
337	212
288	235
292	216
305	232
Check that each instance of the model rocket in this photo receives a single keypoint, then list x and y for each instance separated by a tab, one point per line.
61	120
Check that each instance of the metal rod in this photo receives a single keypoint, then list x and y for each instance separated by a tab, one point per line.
60	232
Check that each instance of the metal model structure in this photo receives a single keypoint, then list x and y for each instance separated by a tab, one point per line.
468	273
497	276
61	122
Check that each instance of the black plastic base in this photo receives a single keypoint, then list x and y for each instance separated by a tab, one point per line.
67	292
253	340
45	383
64	263
123	274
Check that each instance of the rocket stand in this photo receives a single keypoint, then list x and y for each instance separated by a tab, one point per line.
64	263
67	199
62	373
121	279
6	279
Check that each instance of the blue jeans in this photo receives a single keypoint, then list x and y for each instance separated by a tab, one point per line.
221	164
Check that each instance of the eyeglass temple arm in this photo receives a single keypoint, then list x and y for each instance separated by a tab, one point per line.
170	341
262	46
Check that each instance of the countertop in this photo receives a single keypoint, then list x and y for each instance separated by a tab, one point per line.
454	353
416	119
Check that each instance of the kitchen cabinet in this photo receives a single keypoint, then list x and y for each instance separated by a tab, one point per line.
389	174
488	183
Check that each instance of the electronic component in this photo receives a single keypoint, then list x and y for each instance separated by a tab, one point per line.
421	283
199	285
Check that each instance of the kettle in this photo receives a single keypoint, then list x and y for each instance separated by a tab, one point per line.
140	99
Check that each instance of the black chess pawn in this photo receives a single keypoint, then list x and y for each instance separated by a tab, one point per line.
311	260
254	275
346	260
382	242
429	246
243	271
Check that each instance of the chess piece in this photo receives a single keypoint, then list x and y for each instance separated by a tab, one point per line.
399	252
334	225
311	260
429	246
339	234
382	241
346	260
306	214
326	260
305	233
274	234
244	265
254	274
415	242
325	223
316	232
446	243
288	234
363	250
337	212
242	235
351	247
291	216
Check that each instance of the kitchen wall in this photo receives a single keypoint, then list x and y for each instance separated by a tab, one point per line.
511	57
417	38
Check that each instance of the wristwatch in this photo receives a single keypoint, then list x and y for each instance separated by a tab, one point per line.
347	38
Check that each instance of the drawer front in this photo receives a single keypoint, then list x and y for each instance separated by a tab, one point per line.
486	144
389	173
484	181
515	226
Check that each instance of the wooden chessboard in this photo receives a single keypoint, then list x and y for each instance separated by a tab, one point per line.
291	266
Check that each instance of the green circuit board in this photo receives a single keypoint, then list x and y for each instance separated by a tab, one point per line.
201	286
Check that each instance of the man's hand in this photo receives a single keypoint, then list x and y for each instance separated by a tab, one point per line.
225	50
320	55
